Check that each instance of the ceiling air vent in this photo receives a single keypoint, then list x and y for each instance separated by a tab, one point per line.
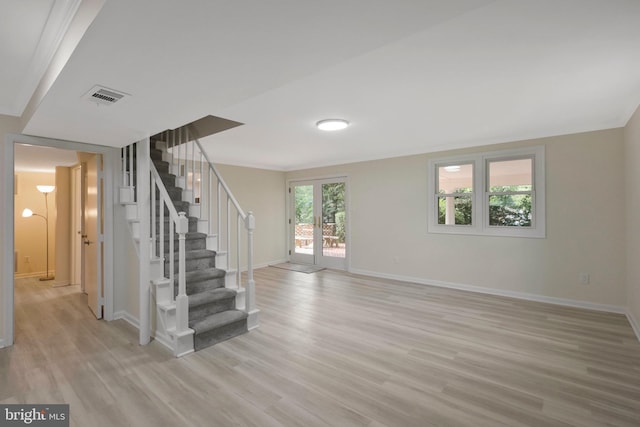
104	96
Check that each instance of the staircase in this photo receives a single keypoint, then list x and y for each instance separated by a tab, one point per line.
196	300
212	307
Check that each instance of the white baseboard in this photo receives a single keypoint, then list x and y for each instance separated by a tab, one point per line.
60	283
127	317
133	321
498	292
164	340
278	261
33	274
2	344
634	323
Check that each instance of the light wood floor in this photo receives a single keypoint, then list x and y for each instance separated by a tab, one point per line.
334	350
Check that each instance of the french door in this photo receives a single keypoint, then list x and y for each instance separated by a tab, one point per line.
319	222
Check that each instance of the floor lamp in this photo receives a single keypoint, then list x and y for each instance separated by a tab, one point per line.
44	189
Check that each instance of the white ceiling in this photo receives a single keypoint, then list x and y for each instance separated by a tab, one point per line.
31	158
30	33
411	76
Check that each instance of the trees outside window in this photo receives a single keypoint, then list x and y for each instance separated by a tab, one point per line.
494	193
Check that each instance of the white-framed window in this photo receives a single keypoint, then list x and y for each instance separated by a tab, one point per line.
498	193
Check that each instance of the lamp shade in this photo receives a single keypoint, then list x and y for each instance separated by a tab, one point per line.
27	213
45	188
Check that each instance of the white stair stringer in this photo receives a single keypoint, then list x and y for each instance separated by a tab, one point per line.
231	282
165	330
127	195
161	289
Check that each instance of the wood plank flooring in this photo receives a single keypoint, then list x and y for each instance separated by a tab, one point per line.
334	349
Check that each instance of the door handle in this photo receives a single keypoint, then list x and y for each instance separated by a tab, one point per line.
87	242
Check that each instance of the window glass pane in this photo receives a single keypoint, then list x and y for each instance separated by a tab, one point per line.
455	178
511	175
455	210
333	220
510	210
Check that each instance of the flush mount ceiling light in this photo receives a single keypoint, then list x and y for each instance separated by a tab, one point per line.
454	168
332	124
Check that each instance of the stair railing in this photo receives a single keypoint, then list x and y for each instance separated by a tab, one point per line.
139	176
178	225
215	204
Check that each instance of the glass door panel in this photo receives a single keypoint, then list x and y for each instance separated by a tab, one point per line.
333	220
319	223
303	223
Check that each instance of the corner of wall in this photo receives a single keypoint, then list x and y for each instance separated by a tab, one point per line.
635	325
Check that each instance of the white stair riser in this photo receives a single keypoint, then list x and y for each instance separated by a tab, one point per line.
157	267
194	210
222	260
240	299
163	290
127	195
168	313
212	240
135	229
230	281
131	212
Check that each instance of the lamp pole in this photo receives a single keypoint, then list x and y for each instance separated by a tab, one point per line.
44	189
46	222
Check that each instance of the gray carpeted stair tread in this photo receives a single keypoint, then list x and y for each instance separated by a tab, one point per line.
197	254
209	273
210	296
217	320
191	235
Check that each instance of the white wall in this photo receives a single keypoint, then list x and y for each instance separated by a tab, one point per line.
262	192
126	296
632	178
29	233
7	125
585	226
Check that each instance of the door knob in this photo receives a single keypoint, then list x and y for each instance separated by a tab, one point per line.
87	242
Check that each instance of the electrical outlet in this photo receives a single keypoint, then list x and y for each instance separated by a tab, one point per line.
584	278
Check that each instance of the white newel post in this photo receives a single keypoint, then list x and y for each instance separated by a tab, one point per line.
252	311
144	212
182	301
184	335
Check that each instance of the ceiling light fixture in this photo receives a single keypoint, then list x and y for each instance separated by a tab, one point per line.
454	168
332	124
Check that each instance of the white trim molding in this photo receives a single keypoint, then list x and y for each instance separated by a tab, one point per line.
480	194
499	292
127	317
133	321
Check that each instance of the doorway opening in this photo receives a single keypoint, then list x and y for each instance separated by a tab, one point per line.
102	240
318	222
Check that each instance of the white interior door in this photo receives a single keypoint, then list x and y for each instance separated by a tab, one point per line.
76	225
319	222
93	235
